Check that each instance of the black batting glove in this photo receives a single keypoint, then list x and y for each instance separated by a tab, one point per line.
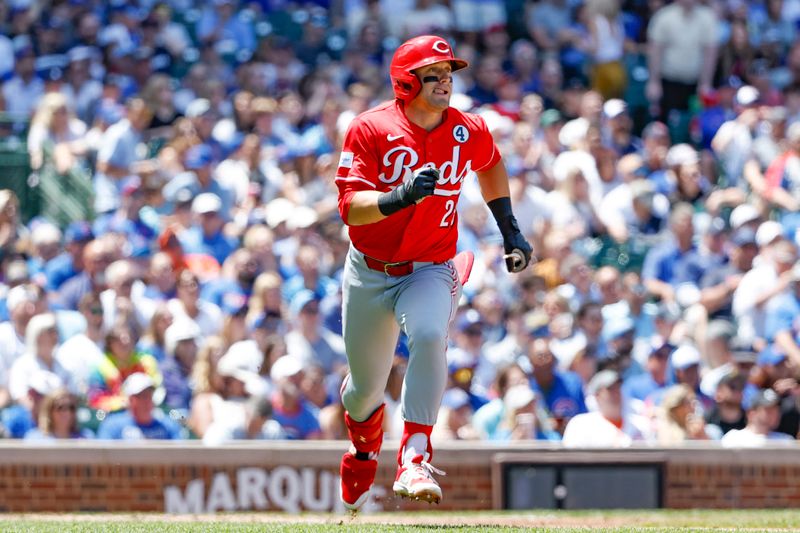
421	185
518	251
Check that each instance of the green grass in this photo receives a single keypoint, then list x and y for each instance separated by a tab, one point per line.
432	521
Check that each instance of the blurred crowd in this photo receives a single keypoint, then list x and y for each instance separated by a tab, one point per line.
654	155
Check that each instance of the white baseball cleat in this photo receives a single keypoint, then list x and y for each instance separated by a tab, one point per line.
415	481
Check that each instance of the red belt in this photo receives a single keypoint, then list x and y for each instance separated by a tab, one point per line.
402	268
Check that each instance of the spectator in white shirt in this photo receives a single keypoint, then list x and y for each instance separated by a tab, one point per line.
22	302
607	427
759	285
763	416
41	339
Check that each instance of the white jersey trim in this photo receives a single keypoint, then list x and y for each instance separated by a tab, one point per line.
353	178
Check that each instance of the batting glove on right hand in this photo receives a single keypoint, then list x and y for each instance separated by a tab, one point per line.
518	252
421	184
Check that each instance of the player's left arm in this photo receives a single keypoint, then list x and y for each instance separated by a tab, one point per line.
494	188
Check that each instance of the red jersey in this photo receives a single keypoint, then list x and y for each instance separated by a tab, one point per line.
381	149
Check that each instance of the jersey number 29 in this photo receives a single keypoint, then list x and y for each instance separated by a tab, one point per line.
449	214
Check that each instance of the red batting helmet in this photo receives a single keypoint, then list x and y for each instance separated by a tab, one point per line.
413	54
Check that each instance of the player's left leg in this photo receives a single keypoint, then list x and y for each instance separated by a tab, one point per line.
425	305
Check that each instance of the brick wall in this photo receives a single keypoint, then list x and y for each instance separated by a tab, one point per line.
293	476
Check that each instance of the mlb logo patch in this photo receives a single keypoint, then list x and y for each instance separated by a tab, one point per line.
346	160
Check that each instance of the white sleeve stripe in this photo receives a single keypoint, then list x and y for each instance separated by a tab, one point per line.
353	178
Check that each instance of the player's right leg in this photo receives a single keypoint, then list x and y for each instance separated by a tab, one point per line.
370	334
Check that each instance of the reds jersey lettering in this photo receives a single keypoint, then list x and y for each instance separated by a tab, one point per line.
386	149
403	161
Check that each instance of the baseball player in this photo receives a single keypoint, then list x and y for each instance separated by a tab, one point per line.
399	178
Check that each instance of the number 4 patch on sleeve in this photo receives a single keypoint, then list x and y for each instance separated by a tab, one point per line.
461	133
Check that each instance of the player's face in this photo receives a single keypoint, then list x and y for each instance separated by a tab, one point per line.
437	85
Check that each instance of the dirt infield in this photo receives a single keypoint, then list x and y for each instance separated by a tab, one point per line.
738	520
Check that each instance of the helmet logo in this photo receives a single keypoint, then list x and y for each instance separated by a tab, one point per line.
441	47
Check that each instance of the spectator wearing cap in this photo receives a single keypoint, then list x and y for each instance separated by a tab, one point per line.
562	391
117	157
289	406
258	425
81	352
56	135
199	178
758	286
41	340
58	418
23	91
733	143
684	181
669	264
685	363
140	420
763	415
181	341
24	415
127	221
206	236
69	263
681	56
727	413
608	426
678	420
618	335
121	359
719	284
655	376
187	303
618	128
309	341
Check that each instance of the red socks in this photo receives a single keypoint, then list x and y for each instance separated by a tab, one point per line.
411	429
366	436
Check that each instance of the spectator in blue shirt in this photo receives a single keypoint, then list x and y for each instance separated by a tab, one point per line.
668	265
655	378
783	321
207	237
198	179
126	220
117	157
289	407
562	391
235	286
182	338
69	264
140	420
